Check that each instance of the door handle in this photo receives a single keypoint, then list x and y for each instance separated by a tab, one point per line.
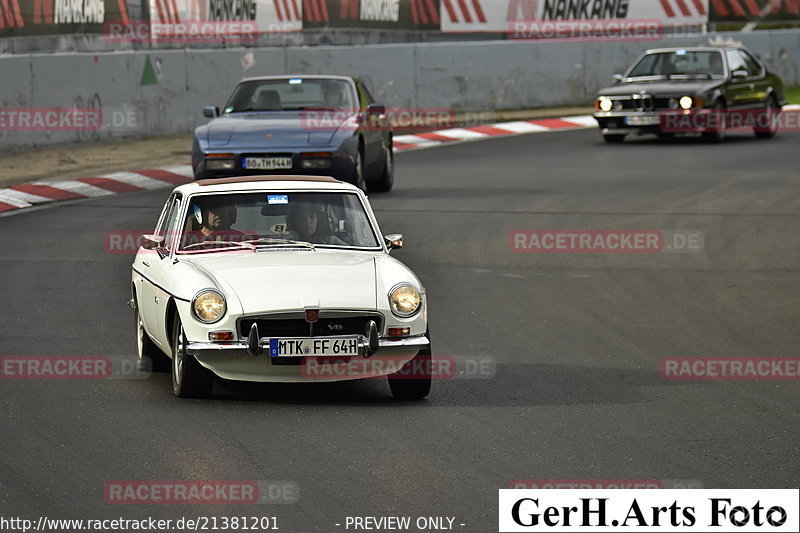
145	263
157	300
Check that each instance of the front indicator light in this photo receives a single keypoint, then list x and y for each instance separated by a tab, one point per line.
208	306
220	336
315	163
686	102
399	332
404	300
220	164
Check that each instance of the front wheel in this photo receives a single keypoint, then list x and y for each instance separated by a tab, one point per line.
413	381
385	181
189	378
358	171
721	118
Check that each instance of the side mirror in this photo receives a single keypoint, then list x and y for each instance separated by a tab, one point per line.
152	242
210	111
376	109
741	73
393	241
617	78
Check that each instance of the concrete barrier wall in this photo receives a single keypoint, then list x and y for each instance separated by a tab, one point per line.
168	96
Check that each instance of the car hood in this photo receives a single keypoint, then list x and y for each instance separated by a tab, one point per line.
293	279
661	87
273	130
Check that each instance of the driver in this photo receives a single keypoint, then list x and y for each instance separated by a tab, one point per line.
333	94
308	222
211	219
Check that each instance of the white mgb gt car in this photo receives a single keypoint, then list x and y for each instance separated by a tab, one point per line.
277	279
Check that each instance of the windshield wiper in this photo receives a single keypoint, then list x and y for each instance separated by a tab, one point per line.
273	241
242	244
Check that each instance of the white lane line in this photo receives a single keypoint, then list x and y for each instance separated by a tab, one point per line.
180	170
24	197
12	200
586	121
78	187
137	180
520	126
461	134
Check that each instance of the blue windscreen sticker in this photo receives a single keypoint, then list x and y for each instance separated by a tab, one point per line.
278	199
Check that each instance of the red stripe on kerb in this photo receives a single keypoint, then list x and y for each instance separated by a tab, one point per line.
47	192
490	130
7	207
554	123
110	185
163	175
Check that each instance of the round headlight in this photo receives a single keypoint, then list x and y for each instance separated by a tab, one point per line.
606	104
405	300
686	102
208	306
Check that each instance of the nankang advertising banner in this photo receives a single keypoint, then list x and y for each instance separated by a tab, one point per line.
47	17
504	16
739	11
381	14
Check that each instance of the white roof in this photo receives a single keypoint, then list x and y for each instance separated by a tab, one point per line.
265	183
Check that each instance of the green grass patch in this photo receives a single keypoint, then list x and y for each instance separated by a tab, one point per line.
793	94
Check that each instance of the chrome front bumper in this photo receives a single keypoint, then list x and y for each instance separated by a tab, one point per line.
420	343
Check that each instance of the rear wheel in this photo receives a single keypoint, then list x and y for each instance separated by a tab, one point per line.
189	378
148	355
385	181
718	134
768	120
614	139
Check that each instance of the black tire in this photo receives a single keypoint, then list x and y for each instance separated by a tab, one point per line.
385	181
771	111
416	388
614	139
189	378
718	135
149	357
358	170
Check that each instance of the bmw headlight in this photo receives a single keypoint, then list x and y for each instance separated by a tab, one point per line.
606	104
208	306
405	300
686	102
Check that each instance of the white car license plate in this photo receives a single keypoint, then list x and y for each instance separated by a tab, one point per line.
313	346
643	121
267	163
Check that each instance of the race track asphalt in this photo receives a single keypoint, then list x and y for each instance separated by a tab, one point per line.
573	341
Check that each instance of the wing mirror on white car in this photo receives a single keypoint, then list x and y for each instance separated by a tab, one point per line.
393	241
152	242
210	111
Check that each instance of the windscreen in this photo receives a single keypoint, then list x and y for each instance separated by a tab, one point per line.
276	219
706	63
291	94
